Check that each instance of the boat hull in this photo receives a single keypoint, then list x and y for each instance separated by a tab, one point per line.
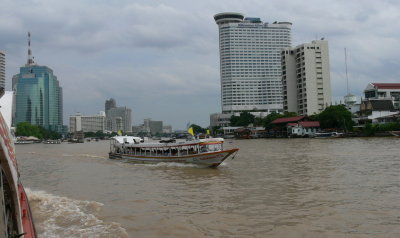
210	159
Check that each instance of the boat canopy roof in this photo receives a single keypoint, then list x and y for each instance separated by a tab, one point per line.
127	139
135	142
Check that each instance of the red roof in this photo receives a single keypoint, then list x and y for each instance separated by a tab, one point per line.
387	85
309	123
287	119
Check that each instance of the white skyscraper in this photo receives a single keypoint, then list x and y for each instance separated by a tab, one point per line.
306	78
250	62
2	70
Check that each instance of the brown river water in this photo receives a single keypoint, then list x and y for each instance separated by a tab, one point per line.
273	188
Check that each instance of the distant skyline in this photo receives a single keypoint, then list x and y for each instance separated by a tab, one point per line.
161	58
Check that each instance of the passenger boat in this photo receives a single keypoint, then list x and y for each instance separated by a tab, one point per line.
15	214
208	152
324	135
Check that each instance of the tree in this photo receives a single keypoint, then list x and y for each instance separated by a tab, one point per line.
270	118
198	129
27	129
266	121
337	117
289	114
217	130
244	119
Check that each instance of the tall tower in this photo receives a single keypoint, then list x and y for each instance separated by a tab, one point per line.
39	99
250	63
30	57
2	70
306	78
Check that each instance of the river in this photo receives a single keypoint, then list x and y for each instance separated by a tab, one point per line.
273	188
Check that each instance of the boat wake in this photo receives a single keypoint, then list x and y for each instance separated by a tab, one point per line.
57	216
172	165
85	155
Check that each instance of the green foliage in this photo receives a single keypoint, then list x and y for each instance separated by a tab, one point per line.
97	134
27	129
289	114
266	121
371	129
337	117
216	130
258	121
392	126
244	119
270	118
198	129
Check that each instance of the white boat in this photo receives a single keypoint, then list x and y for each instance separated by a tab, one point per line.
207	152
328	135
52	142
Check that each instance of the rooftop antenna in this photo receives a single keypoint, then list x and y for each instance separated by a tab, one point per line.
30	58
347	77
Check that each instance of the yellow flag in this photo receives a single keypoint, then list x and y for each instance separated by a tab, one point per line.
208	132
190	130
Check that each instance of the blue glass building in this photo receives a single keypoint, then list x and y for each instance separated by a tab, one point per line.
38	97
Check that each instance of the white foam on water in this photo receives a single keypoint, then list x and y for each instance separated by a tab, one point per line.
174	165
84	155
57	216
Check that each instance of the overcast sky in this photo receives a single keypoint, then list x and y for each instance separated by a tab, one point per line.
161	59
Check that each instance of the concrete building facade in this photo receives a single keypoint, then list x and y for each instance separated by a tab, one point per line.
250	62
306	78
119	118
220	119
110	103
91	123
384	91
167	129
152	127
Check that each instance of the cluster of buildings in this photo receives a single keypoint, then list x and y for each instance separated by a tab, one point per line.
381	104
262	73
38	99
113	119
150	127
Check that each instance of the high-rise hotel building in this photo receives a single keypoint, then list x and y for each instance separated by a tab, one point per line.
306	78
250	62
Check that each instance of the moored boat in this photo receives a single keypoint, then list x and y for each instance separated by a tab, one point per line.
328	135
395	133
207	152
52	142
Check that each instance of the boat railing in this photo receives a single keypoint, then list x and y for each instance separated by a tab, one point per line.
165	151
